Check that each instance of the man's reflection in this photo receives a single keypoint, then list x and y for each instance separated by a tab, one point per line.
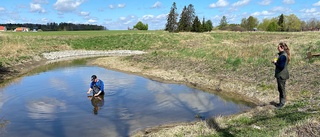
97	102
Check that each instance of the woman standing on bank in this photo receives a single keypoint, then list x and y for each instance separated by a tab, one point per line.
281	71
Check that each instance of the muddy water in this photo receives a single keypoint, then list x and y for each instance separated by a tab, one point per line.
54	102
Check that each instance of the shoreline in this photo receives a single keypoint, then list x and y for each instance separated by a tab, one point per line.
117	62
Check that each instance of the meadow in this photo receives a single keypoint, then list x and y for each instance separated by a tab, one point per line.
241	58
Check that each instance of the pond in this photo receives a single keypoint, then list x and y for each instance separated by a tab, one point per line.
54	102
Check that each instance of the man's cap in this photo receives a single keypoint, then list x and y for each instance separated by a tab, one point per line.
93	77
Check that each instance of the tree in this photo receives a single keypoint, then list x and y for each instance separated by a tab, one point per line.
252	23
223	23
208	25
183	22
196	26
264	24
244	23
293	23
141	26
312	24
273	26
191	14
281	22
186	18
172	24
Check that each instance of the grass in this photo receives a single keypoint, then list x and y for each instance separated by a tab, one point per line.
238	57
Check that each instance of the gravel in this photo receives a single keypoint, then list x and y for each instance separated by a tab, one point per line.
71	54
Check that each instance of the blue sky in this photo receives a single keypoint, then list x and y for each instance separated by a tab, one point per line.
121	14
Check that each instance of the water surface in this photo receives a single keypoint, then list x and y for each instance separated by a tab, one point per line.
55	103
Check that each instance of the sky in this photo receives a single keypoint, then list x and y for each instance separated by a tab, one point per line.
121	14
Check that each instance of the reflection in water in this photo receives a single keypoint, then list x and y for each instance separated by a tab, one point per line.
97	102
59	106
45	108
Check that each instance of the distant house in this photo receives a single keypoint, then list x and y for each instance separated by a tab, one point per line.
3	28
21	29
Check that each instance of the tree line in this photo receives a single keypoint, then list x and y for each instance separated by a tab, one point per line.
190	22
55	26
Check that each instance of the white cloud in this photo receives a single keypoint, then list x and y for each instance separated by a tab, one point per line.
156	5
90	21
162	16
265	2
288	1
281	10
263	13
147	17
316	4
36	8
2	9
312	10
40	1
220	3
122	18
240	3
121	5
67	5
82	13
111	6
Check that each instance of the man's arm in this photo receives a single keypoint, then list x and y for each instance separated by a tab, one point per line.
90	89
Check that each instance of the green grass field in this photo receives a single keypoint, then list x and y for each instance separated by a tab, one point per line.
241	56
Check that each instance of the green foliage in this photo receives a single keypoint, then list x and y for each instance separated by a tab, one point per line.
233	63
172	24
281	23
223	22
141	26
293	23
272	27
196	26
183	22
208	26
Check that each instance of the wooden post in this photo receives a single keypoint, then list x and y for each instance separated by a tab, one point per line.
310	55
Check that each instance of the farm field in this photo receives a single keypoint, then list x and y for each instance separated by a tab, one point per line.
235	64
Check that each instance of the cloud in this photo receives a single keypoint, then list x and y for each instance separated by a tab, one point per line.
263	13
91	21
281	10
40	1
156	5
2	9
316	4
288	1
116	6
83	13
67	5
220	3
265	2
312	10
121	5
111	6
36	8
240	3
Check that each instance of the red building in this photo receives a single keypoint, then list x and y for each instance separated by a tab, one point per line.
3	28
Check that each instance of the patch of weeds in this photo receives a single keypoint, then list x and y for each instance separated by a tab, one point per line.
266	87
266	124
305	93
233	63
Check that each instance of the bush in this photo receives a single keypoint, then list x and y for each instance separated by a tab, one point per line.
141	26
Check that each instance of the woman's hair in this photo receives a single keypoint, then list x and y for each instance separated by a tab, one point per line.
286	48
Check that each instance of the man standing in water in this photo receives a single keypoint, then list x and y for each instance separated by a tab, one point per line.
97	86
281	71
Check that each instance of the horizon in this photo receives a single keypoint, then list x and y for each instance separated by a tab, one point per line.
121	14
